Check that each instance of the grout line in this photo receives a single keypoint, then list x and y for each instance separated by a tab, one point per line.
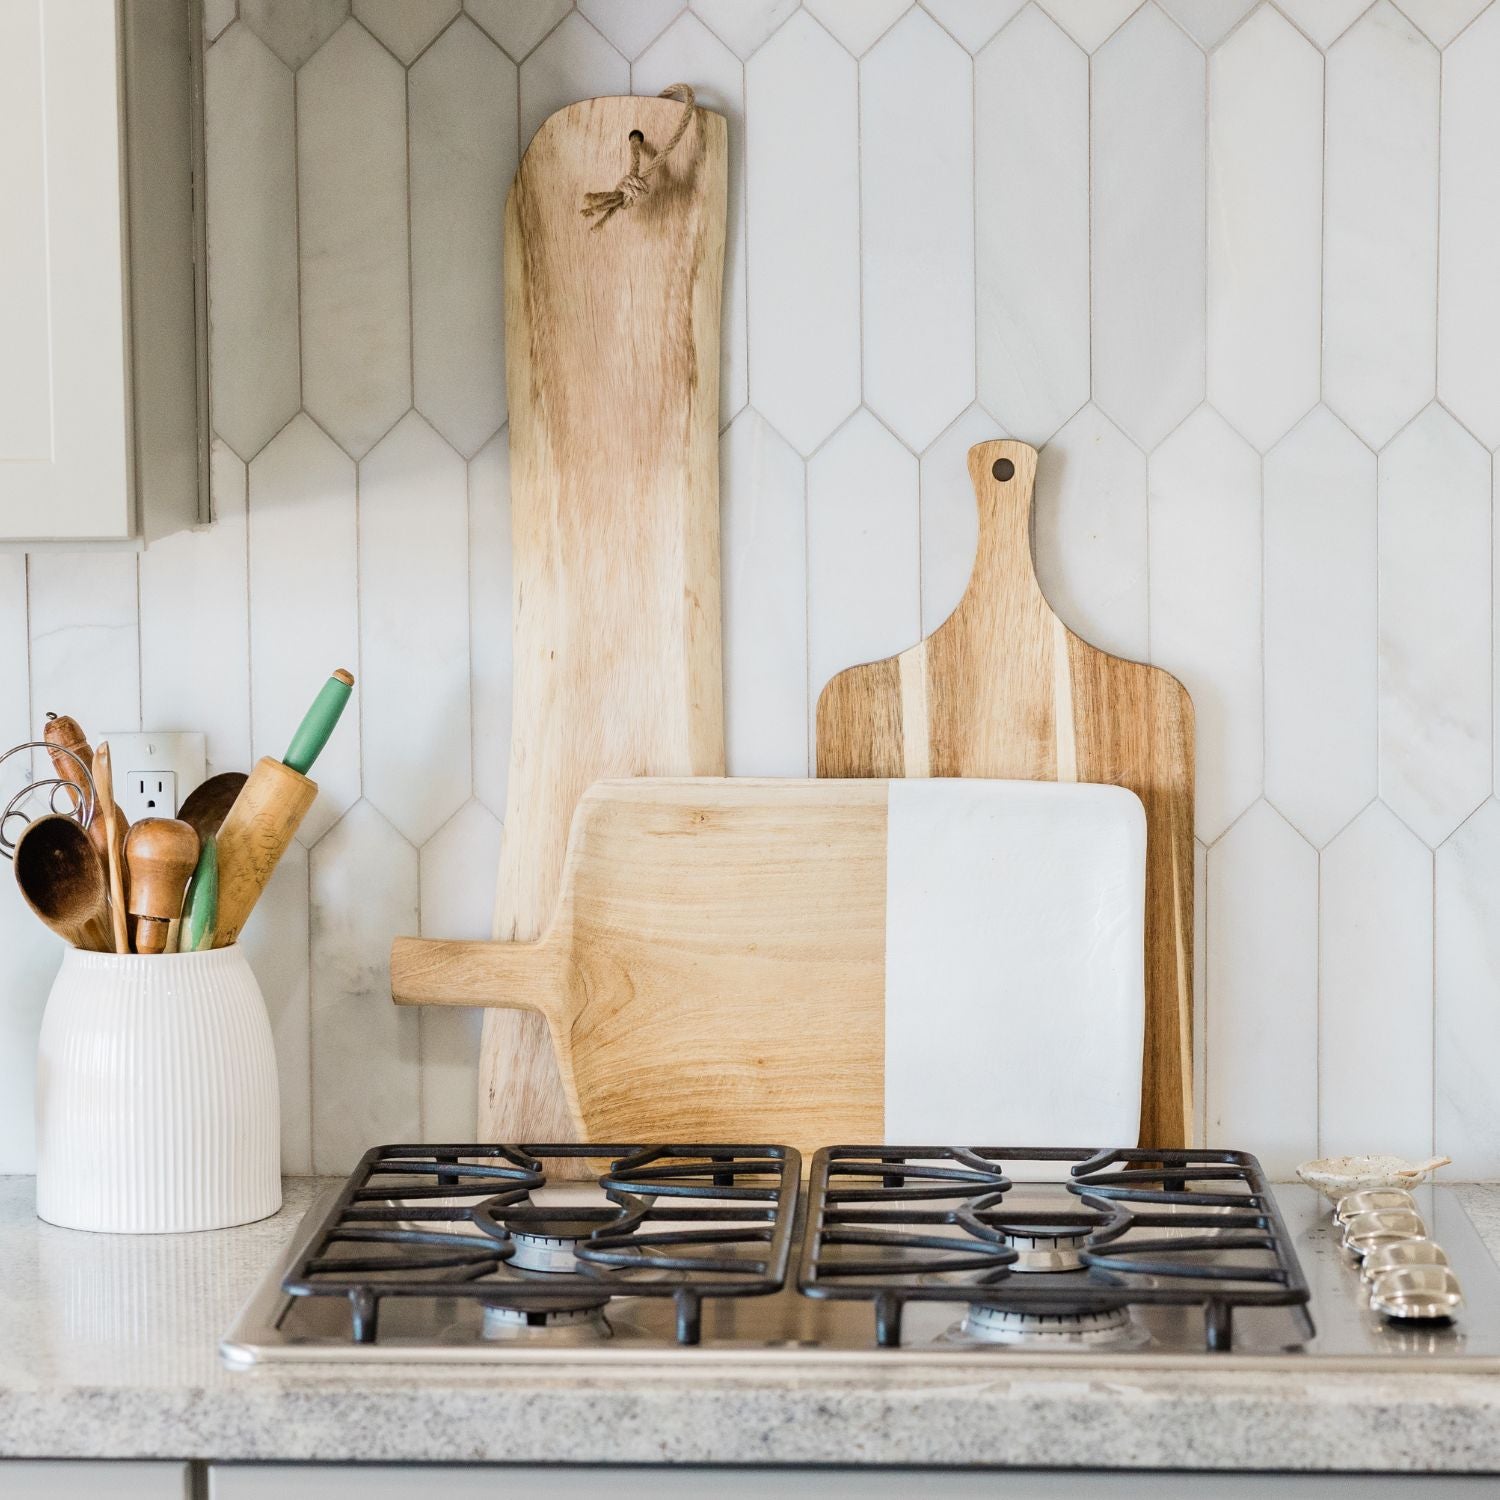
411	355
1318	1014
31	714
1207	140
1203	1001
296	229
810	708
1432	1005
1467	24
374	37
1334	41
311	1092
1322	217
312	1112
249	607
442	31
140	655
859	193
411	267
973	226
1437	239
1088	79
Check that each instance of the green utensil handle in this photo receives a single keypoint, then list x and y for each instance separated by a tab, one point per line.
313	732
202	901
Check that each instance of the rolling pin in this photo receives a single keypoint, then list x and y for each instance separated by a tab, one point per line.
160	854
264	818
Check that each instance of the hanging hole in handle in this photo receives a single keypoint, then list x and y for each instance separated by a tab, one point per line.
1003	469
637	136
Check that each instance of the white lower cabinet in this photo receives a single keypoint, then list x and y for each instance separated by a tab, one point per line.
57	1479
495	1482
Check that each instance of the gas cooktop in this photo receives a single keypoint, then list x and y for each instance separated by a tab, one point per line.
722	1254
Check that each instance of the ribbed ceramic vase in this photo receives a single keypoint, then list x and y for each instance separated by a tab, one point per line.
157	1104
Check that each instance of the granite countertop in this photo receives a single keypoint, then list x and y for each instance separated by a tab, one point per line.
108	1348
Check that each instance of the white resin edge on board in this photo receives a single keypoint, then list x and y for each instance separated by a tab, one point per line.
1015	929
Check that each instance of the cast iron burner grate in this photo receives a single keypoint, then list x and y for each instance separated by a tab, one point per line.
894	1224
685	1222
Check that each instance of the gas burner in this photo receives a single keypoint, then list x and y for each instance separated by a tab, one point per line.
585	1317
1113	1327
893	1226
482	1223
550	1249
1045	1249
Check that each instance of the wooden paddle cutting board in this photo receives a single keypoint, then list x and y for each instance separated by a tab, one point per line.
1003	688
612	365
818	961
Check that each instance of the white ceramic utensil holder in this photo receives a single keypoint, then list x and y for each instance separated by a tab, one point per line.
157	1103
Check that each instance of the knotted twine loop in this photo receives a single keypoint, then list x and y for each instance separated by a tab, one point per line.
636	183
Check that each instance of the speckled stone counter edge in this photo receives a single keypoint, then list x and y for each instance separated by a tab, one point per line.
157	1390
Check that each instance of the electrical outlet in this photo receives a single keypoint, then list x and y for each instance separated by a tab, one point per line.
154	772
155	792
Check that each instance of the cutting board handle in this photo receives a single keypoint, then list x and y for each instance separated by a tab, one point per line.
1003	473
509	976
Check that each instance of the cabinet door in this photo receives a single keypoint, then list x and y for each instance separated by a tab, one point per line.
64	434
23	1479
423	1482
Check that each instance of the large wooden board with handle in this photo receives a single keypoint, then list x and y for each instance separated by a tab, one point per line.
1003	688
820	961
612	364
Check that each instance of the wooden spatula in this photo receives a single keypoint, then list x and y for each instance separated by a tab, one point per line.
816	961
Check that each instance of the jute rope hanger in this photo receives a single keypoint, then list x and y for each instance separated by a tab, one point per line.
636	183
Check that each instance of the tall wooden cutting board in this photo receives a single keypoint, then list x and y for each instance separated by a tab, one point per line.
612	369
819	961
1003	688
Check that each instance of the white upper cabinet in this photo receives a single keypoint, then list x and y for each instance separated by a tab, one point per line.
102	380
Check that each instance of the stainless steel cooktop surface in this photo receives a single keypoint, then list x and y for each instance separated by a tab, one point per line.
954	1312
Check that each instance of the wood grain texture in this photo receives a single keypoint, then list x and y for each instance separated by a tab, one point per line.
62	879
740	924
751	959
160	854
104	786
612	368
1003	688
260	824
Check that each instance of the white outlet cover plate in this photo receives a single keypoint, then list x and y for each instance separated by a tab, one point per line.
184	754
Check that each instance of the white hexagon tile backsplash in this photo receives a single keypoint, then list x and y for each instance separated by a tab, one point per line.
1189	247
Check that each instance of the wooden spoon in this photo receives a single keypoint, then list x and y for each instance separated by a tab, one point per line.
207	804
62	881
63	733
1423	1168
160	853
104	784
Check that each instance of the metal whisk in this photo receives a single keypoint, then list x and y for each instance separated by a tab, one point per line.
80	793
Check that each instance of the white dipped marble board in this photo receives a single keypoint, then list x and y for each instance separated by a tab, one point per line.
816	962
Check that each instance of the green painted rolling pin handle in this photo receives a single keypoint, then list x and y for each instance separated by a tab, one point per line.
202	900
313	732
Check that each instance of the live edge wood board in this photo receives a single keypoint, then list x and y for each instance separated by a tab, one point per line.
612	366
1003	688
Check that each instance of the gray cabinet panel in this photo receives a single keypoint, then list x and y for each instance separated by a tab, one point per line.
47	1479
496	1482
